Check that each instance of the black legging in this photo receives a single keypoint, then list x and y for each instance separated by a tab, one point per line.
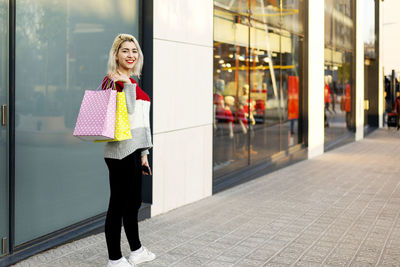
125	200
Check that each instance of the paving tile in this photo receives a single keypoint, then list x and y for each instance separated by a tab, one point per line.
228	258
208	252
261	254
277	264
219	264
154	263
307	264
290	254
192	261
167	259
281	260
313	258
392	258
184	250
337	261
238	251
219	244
361	264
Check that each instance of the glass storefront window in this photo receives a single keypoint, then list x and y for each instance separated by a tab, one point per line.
369	29
371	66
61	50
257	81
339	87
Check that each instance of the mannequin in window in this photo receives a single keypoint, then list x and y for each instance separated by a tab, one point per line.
333	89
218	102
327	93
241	140
347	104
246	111
229	105
229	128
247	104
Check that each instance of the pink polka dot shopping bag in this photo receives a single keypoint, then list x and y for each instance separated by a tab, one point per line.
96	119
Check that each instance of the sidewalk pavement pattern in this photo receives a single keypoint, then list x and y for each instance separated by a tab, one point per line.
339	209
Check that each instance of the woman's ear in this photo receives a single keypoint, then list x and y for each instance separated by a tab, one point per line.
116	58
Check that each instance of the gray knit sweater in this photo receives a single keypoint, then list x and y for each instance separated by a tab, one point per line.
138	105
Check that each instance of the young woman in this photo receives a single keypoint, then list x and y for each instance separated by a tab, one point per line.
127	160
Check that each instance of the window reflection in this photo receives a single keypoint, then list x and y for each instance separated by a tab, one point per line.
371	78
61	51
369	29
257	62
338	88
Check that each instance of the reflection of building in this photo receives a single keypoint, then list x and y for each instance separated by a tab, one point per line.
390	47
239	91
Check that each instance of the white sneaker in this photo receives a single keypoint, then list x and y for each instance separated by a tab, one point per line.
122	263
140	257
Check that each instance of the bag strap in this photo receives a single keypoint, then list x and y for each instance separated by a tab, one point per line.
107	84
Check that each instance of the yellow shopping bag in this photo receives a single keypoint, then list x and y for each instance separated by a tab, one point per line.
122	127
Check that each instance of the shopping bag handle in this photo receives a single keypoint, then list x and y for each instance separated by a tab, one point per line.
108	83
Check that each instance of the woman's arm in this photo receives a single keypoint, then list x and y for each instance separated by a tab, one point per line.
130	95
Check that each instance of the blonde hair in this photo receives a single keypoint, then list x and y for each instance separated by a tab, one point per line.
112	62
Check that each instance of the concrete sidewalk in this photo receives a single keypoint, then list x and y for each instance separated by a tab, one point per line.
340	209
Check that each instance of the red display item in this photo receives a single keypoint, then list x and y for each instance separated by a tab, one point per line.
327	94
260	107
293	98
348	98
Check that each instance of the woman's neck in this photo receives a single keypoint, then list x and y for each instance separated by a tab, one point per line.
125	71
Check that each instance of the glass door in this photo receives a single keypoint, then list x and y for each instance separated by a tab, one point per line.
3	127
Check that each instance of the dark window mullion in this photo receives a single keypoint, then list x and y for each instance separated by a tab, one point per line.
11	101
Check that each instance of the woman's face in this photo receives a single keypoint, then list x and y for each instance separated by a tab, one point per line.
127	55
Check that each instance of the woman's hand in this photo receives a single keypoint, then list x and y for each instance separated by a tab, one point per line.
145	162
118	76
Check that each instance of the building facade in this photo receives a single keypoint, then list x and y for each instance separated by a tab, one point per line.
239	88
